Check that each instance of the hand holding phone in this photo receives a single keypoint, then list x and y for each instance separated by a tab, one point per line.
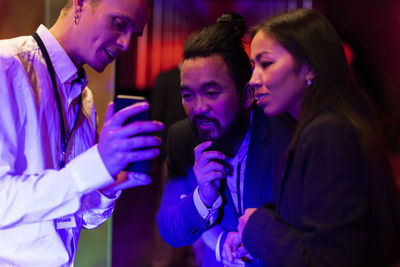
119	145
123	101
120	102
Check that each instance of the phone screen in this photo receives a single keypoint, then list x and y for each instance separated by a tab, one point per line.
123	101
120	102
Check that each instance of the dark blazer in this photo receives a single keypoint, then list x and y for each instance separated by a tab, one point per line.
323	211
178	220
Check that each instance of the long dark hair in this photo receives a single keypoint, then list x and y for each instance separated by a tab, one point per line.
311	39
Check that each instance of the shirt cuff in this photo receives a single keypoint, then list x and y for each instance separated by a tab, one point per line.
217	249
208	214
89	172
113	196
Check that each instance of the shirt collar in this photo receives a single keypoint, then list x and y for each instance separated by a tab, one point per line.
242	152
65	69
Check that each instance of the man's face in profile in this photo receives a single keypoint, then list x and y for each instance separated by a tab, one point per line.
106	28
209	96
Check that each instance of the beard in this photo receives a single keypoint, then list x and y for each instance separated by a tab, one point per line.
227	140
205	135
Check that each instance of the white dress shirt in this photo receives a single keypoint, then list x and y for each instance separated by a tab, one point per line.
42	207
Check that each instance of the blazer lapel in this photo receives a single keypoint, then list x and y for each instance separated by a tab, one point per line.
281	175
256	160
230	216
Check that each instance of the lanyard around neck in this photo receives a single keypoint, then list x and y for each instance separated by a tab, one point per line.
239	198
64	139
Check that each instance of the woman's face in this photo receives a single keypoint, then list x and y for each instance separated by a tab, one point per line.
278	81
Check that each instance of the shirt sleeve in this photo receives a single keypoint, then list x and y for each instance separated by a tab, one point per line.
97	208
29	195
209	215
178	220
53	194
219	245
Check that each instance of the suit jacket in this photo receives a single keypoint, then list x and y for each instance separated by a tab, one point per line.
324	212
178	220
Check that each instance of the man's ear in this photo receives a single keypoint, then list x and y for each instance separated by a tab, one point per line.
78	8
78	4
248	96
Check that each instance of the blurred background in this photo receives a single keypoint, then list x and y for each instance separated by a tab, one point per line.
369	30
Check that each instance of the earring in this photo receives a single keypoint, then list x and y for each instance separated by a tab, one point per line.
77	16
309	77
308	81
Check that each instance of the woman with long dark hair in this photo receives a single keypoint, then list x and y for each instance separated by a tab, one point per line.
336	203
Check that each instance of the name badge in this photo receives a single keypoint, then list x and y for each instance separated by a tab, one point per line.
66	222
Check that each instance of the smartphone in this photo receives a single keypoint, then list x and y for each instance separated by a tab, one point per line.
120	102
123	101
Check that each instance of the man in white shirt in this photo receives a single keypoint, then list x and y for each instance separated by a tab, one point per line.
54	179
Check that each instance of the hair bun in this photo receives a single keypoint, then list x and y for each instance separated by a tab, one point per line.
236	20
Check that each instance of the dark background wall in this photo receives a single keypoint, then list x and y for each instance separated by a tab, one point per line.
372	28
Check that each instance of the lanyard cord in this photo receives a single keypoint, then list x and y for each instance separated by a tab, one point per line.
239	198
50	68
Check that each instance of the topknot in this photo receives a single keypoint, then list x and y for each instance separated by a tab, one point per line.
236	20
224	38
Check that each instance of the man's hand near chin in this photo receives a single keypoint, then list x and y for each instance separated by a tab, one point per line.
208	172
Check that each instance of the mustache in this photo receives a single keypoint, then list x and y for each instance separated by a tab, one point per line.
204	135
203	118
